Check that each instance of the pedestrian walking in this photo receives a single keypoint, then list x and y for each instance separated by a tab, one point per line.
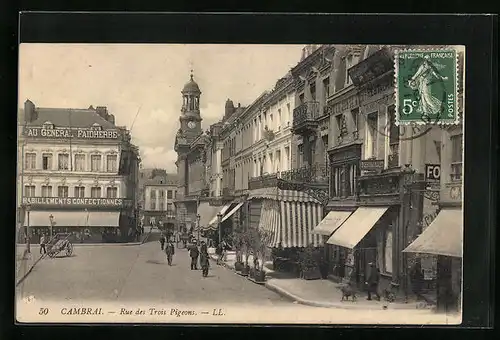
43	242
194	253
373	281
204	262
170	251
162	241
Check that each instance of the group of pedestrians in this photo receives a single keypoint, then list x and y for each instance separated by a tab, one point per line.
195	253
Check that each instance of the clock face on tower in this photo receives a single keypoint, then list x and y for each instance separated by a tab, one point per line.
191	125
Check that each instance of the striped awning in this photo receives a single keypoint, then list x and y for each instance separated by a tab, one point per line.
298	220
270	221
274	193
444	236
235	209
212	225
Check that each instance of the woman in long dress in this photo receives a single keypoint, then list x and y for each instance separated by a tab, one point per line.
421	81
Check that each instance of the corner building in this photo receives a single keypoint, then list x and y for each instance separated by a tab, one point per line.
78	174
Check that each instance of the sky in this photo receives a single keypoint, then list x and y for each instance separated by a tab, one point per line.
146	80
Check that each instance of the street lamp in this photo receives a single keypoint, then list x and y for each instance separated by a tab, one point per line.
27	207
51	218
198	217
219	224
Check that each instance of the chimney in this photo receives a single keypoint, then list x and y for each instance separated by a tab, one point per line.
111	119
239	104
102	111
29	111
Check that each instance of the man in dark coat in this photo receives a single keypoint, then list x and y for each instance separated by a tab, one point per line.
170	251
162	241
204	260
194	253
373	281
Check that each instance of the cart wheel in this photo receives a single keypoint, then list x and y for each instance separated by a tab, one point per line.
69	249
51	253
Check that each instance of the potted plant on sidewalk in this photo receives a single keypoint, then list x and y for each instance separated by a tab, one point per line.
246	250
263	251
309	269
238	242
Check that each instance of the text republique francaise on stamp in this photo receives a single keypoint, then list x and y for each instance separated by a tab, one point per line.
426	87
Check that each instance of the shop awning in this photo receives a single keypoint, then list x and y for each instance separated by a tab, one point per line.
352	231
60	218
270	221
331	222
298	220
235	209
213	222
103	219
442	237
207	213
73	218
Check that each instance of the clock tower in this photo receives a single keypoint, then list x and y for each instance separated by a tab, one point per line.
189	129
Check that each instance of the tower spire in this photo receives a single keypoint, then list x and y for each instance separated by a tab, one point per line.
192	71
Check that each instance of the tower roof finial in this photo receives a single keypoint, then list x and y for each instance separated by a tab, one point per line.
191	75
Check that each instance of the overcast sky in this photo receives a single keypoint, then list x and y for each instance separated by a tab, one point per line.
126	78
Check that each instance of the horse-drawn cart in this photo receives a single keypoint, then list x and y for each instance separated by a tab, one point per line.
60	243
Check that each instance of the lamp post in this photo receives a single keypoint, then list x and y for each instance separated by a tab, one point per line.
27	207
198	217
51	218
219	224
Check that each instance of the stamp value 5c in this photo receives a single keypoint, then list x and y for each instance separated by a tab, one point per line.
426	87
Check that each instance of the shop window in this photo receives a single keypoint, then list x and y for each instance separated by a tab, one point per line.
62	191
30	161
388	252
95	192
112	192
29	191
47	161
456	157
80	192
111	163
95	163
63	161
80	162
46	191
372	122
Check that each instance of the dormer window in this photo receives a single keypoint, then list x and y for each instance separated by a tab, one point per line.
96	126
48	125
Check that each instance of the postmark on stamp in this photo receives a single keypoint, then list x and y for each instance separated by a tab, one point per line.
426	87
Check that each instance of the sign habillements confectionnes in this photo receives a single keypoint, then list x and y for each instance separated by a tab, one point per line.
74	133
72	201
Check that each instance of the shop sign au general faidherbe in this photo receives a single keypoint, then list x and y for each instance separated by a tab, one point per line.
73	133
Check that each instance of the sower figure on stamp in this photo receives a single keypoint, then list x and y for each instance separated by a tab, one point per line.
194	253
170	251
372	282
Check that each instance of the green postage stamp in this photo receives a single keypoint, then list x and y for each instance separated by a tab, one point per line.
426	86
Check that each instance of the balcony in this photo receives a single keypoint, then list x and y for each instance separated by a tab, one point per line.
264	181
317	173
304	118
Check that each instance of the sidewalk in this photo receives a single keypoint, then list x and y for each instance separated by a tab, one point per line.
26	261
325	293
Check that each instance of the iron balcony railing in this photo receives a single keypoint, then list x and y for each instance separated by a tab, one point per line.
305	112
317	173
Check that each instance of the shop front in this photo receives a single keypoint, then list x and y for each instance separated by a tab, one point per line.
88	220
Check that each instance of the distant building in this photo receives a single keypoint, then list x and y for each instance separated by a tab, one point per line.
78	172
159	190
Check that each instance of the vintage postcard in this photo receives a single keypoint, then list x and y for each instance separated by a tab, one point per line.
184	183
